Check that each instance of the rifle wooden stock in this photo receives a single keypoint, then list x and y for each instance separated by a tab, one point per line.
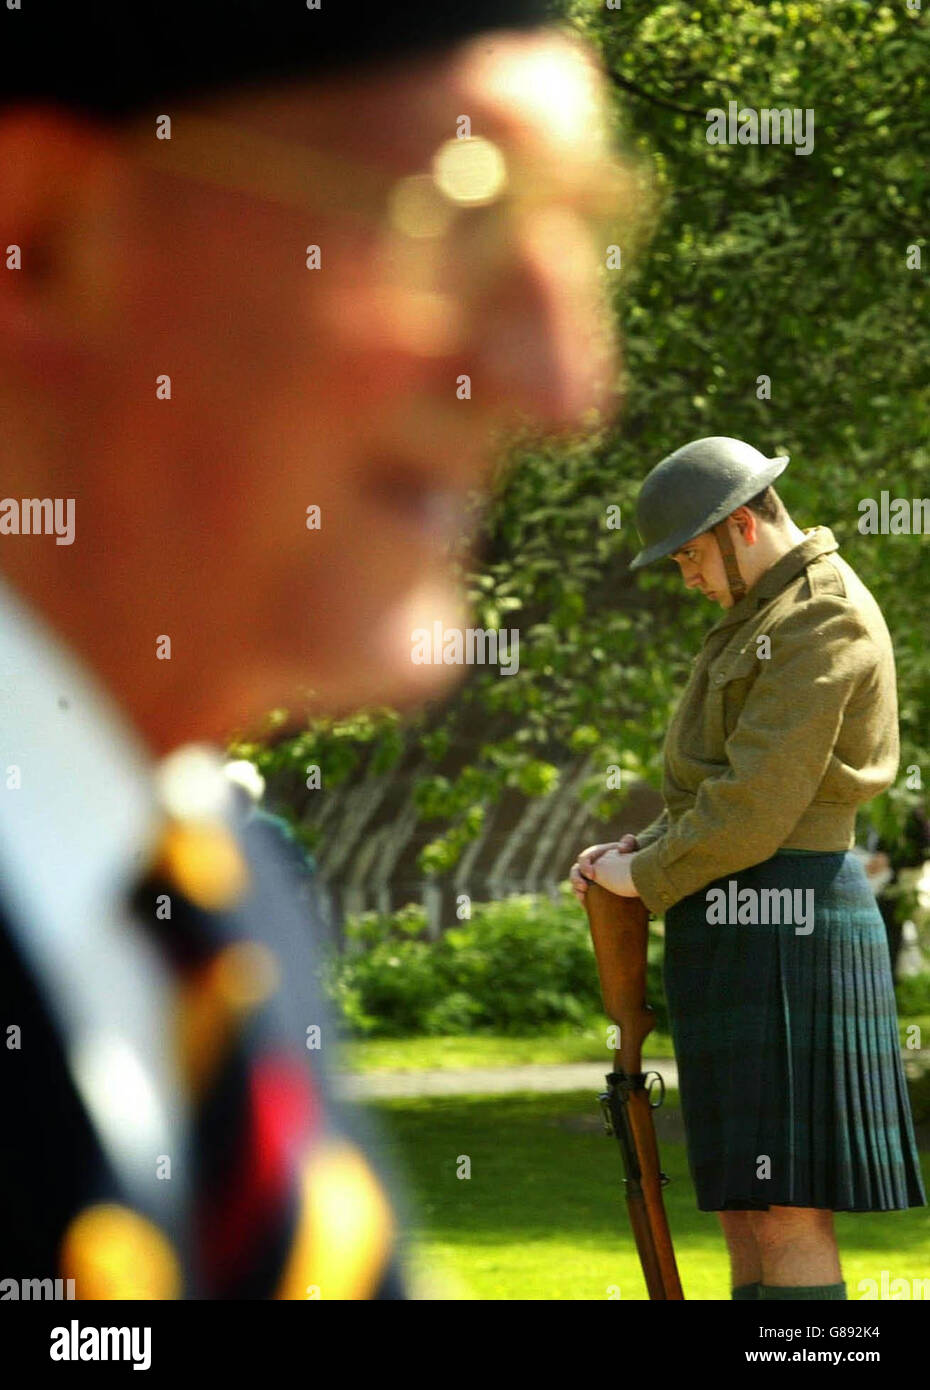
620	932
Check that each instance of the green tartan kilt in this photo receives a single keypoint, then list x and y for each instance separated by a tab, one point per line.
787	1046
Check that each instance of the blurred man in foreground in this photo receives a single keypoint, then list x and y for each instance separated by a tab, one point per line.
273	277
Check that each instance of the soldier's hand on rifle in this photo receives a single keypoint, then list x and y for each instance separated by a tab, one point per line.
584	864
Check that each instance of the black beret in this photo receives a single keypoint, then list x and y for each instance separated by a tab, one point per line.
122	57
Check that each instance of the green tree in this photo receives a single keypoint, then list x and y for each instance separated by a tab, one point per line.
780	300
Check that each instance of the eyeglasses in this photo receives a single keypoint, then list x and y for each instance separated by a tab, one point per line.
460	211
465	174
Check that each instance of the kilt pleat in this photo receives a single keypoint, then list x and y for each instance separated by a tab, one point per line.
790	1076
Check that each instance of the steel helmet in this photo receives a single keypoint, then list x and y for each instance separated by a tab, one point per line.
692	490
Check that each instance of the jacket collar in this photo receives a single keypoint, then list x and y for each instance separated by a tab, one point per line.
819	540
72	839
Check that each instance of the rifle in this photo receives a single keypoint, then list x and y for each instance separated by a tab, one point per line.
620	931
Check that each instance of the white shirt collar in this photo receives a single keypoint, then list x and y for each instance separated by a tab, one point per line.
73	836
85	810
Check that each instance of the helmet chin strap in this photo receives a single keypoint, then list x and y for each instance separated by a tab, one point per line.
734	578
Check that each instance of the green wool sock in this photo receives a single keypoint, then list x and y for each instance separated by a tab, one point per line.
747	1291
820	1291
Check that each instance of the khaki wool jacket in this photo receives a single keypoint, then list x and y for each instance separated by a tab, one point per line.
775	745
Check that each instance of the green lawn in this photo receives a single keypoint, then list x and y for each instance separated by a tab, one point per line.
543	1215
488	1050
586	1044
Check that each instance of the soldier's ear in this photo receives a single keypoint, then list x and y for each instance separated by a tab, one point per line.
746	523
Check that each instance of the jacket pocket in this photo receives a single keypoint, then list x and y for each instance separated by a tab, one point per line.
730	683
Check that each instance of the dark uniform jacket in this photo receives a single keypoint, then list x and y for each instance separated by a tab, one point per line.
256	1185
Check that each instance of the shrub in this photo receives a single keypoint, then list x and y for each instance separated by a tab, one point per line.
913	995
517	965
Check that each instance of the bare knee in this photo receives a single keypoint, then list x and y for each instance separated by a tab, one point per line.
780	1226
745	1263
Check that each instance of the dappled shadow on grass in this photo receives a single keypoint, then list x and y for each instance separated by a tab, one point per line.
541	1168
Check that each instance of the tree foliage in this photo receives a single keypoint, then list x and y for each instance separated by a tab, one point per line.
761	263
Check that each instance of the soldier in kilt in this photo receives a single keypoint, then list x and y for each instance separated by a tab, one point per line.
777	970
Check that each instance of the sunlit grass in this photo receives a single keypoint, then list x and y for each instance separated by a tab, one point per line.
588	1044
543	1214
415	1054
